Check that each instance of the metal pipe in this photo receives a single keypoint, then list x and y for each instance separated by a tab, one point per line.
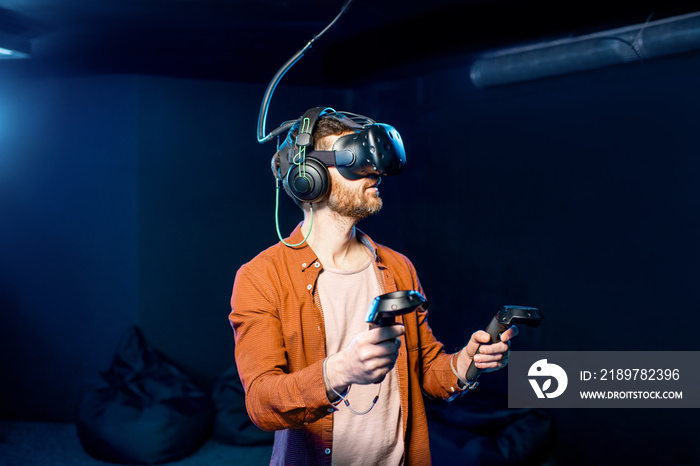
632	43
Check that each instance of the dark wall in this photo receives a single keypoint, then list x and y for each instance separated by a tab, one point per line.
68	236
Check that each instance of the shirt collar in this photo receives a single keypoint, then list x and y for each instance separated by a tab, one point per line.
368	243
306	255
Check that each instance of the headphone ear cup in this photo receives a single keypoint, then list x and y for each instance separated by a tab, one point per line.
310	184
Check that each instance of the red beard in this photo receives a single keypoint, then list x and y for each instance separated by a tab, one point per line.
354	201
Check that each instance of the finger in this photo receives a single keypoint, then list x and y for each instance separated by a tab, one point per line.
380	348
481	336
487	366
510	333
477	339
490	361
472	346
390	347
381	334
483	358
396	330
495	348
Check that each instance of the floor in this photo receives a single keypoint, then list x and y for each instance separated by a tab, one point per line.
48	444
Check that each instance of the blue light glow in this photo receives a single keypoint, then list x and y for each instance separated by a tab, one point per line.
8	53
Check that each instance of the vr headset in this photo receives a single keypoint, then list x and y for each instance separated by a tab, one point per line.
373	149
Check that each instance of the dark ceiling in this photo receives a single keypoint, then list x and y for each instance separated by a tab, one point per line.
248	40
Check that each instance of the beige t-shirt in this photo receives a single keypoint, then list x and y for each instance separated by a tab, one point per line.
375	438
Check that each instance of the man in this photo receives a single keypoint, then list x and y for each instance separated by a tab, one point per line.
334	390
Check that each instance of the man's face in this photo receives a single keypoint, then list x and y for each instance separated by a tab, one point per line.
356	199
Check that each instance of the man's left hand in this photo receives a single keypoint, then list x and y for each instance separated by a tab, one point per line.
491	356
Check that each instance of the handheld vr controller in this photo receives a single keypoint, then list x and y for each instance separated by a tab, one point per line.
384	308
502	321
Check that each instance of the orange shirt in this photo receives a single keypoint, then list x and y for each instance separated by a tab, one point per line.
280	347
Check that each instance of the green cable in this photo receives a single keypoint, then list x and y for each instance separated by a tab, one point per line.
300	157
277	218
302	170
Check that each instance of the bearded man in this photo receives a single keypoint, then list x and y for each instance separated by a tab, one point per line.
334	390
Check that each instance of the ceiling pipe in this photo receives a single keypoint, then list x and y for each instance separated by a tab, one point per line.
641	42
14	47
16	33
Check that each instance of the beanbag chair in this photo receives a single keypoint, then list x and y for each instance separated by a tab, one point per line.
143	410
232	426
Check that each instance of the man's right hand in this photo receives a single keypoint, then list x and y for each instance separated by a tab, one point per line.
367	359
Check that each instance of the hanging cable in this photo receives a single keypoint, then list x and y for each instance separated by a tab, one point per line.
262	117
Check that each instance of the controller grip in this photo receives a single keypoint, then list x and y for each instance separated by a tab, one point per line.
494	329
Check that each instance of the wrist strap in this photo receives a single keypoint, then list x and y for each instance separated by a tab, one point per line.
466	384
344	398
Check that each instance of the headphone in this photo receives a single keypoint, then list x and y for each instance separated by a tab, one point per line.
371	149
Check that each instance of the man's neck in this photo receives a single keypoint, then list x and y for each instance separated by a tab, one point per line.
334	239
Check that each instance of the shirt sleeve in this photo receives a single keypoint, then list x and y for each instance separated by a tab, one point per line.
439	381
275	399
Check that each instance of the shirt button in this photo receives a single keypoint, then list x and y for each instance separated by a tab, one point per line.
304	264
309	286
327	451
317	264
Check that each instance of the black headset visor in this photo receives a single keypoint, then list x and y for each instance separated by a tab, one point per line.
377	149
